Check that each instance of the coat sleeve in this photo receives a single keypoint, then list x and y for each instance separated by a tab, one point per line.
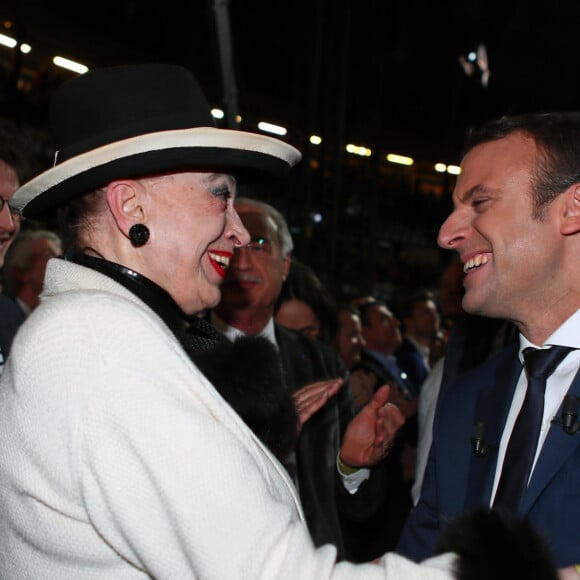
180	487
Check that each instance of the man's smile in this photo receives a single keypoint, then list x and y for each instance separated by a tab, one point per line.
475	262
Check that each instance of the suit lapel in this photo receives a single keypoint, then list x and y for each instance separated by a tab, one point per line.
296	365
556	450
491	409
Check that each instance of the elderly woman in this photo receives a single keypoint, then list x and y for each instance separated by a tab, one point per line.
119	458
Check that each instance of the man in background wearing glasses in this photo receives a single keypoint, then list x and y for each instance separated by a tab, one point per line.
337	496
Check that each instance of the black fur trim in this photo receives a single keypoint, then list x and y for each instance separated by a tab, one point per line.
248	375
493	545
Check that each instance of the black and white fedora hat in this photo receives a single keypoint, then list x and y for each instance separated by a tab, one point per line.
135	120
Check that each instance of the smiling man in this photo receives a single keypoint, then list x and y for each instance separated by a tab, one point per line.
516	228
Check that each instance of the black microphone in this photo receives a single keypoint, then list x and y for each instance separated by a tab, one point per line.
478	445
570	414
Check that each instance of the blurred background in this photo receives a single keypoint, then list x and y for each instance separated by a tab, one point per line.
377	95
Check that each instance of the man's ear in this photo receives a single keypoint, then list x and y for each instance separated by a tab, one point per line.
287	263
125	203
571	211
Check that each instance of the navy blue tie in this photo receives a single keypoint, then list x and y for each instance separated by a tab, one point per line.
521	450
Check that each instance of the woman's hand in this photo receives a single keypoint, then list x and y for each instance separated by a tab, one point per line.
570	573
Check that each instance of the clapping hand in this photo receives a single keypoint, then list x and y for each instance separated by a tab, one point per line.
371	433
312	397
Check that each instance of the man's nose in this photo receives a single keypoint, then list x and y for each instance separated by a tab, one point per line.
451	232
7	221
242	257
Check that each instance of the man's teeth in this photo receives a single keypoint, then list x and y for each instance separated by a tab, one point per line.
223	261
475	263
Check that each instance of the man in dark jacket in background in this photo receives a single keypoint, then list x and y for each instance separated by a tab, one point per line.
333	467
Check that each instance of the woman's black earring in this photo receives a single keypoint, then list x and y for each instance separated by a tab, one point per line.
139	235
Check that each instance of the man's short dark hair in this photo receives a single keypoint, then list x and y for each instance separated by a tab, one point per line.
364	311
407	304
557	136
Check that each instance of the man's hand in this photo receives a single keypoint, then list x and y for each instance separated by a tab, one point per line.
407	406
311	398
362	385
371	433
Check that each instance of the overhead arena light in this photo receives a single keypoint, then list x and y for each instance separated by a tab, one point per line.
70	65
400	159
7	41
270	128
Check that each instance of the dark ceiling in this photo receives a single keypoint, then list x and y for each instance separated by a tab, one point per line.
377	73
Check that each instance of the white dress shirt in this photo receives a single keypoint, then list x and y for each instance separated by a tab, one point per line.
557	386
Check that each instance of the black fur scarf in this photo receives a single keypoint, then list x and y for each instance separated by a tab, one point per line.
248	375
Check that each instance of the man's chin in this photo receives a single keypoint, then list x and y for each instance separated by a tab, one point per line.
235	296
479	306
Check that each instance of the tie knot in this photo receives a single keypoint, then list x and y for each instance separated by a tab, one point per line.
541	362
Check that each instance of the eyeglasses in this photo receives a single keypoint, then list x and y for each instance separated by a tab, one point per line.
16	215
259	247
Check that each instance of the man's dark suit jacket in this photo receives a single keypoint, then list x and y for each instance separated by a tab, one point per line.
331	512
11	317
457	480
